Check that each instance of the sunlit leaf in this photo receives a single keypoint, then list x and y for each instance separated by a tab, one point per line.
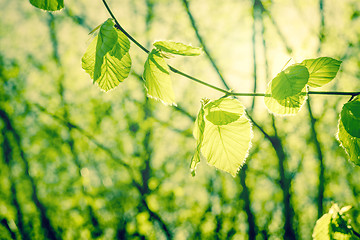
177	48
225	144
322	70
350	117
322	228
107	38
333	225
350	144
157	78
48	5
289	82
198	134
107	58
224	111
288	106
340	228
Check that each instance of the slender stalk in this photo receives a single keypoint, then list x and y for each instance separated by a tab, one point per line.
123	30
174	70
202	42
333	93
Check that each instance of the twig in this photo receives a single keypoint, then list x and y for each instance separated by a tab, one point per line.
202	42
356	233
228	92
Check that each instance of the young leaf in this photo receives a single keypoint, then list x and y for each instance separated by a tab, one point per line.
350	144
333	225
288	106
224	111
289	82
157	78
225	144
322	70
107	39
177	48
198	134
107	58
48	5
349	129
350	117
322	228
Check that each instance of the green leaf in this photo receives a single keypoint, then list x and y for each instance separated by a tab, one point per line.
157	79
225	144
333	225
350	144
106	40
177	48
288	106
48	5
322	228
350	117
198	134
224	111
340	228
322	70
289	82
107	58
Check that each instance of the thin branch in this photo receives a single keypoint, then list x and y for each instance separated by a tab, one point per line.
113	157
322	24
71	125
321	187
253	40
202	42
259	127
123	30
48	228
227	92
7	227
356	233
174	70
276	26
177	108
353	94
160	221
245	195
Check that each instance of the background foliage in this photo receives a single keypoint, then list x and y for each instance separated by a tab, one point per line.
78	163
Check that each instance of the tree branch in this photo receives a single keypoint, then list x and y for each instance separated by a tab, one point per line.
321	187
202	42
227	92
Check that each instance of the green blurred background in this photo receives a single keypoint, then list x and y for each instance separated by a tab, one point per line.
78	163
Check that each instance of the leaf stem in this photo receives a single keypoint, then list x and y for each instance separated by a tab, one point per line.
123	30
227	92
334	93
174	70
